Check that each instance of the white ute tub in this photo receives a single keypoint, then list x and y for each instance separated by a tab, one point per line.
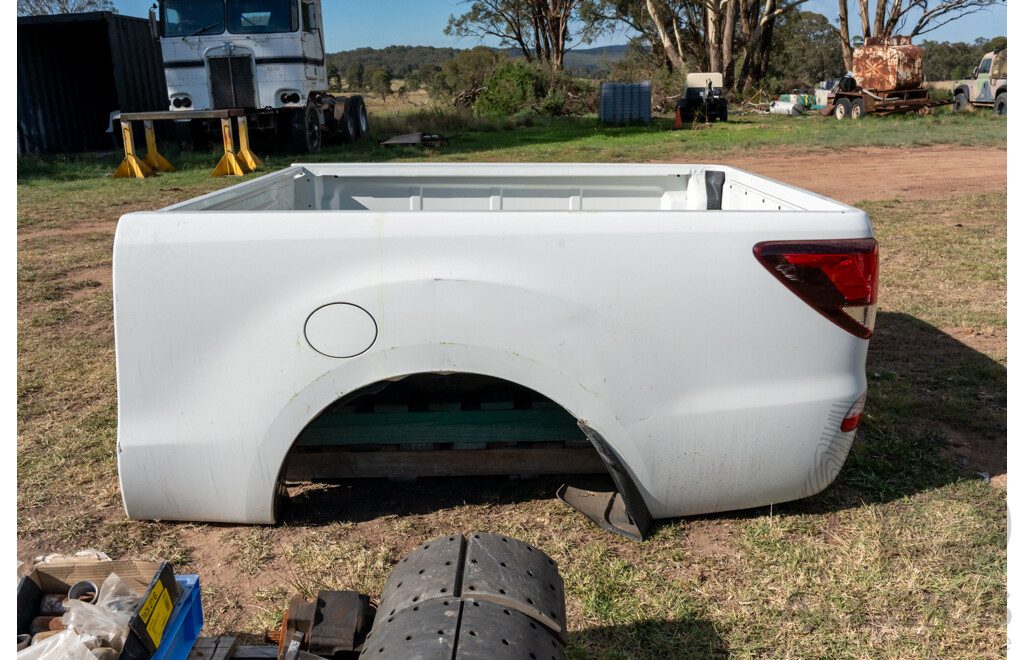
630	295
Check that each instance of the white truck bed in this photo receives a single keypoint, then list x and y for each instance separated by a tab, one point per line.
613	290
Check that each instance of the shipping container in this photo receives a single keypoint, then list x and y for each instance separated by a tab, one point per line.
74	70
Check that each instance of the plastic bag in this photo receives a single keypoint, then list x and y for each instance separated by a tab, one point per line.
117	595
108	618
63	646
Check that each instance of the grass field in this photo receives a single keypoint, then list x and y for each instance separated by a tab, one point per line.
904	556
534	138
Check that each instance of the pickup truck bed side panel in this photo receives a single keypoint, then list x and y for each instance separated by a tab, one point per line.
718	388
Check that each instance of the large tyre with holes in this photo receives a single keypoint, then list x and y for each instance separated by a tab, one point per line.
305	130
359	118
999	107
842	109
960	103
476	595
856	108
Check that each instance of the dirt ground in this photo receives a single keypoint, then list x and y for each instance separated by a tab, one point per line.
869	174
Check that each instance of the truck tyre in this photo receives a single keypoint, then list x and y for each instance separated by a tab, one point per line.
999	107
306	135
723	114
960	102
348	123
842	108
361	121
857	109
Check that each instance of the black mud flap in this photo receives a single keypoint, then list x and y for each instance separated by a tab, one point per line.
620	510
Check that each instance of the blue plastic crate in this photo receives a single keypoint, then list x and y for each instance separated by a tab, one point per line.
184	624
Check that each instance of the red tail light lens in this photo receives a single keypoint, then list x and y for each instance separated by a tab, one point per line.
839	278
852	419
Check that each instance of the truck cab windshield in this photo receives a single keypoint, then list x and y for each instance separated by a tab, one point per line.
186	18
262	16
189	18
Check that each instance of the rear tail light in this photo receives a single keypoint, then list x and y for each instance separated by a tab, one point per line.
839	278
853	415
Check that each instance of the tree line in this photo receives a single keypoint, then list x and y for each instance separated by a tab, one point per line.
805	51
770	45
734	37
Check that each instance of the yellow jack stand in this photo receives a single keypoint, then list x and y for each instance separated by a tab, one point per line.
247	159
153	157
228	165
131	167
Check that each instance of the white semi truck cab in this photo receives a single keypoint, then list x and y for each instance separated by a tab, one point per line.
263	56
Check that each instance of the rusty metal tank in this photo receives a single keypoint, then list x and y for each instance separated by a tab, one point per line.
888	64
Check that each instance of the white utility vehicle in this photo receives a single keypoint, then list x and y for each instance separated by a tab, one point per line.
707	329
263	56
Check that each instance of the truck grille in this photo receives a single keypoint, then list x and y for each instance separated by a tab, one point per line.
232	82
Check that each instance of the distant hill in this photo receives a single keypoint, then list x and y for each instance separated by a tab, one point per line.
401	60
588	59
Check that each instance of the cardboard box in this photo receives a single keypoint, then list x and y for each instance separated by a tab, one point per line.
153	579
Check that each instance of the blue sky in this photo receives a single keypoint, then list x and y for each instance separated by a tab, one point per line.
378	23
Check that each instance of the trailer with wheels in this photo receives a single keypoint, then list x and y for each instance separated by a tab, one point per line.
858	103
886	79
702	100
265	57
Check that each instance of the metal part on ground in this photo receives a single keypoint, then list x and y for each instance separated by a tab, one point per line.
332	623
431	139
477	595
605	509
233	163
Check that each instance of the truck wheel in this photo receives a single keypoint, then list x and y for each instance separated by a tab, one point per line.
723	114
1000	105
359	114
348	123
842	108
306	137
960	103
857	109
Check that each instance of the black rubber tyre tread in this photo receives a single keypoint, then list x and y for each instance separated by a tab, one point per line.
960	103
857	109
999	107
360	117
347	126
305	138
